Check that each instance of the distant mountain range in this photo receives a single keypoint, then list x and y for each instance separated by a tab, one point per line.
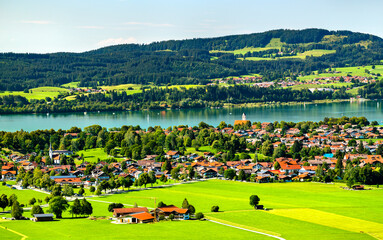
273	54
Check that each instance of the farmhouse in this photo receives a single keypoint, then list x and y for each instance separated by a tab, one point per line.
133	215
179	213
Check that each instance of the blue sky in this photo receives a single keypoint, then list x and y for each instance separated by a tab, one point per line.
76	26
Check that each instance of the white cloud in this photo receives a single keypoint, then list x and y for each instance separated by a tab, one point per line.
90	27
40	22
116	41
149	24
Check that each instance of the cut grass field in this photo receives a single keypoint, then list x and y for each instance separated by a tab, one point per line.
275	43
92	155
353	71
37	93
329	85
299	211
311	53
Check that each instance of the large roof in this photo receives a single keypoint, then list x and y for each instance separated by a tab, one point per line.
130	210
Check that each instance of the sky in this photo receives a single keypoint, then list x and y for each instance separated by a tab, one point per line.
39	26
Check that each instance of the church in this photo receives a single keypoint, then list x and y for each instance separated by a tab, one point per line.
243	121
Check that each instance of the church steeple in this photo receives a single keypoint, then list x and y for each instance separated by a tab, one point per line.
243	117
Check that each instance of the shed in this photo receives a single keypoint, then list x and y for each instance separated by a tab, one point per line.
42	217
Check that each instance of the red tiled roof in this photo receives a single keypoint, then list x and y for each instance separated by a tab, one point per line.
172	208
142	216
70	180
130	210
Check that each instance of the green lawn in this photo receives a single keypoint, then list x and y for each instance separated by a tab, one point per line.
92	155
71	85
23	196
37	93
299	211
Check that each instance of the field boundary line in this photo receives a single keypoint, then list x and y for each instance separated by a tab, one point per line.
245	229
20	234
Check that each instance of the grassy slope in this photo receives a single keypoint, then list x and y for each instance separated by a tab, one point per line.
38	93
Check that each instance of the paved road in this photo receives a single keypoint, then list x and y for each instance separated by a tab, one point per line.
244	229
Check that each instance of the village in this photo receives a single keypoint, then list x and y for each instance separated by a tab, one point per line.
337	144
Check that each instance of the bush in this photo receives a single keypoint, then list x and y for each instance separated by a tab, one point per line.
171	216
114	205
161	204
214	208
199	216
161	217
4	182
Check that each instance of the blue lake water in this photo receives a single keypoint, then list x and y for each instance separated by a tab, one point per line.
165	118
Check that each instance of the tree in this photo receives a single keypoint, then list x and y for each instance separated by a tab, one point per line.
92	189
144	179
32	201
76	208
98	191
87	208
171	216
214	208
229	173
199	216
163	178
114	205
12	199
277	166
81	191
191	209
185	203
17	211
361	147
191	173
254	200
128	183
57	205
242	175
152	177
3	201
67	190
47	199
267	148
174	173
36	209
350	182
166	166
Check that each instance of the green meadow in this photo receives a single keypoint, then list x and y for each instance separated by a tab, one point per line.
329	85
353	71
297	211
92	155
37	93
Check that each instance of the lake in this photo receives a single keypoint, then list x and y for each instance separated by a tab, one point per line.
165	118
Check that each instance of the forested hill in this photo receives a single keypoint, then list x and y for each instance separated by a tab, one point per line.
273	54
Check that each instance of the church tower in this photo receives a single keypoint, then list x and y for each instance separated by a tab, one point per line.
243	117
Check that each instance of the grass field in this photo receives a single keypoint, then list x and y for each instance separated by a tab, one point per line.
37	93
275	43
92	155
313	53
353	71
329	85
71	85
299	211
